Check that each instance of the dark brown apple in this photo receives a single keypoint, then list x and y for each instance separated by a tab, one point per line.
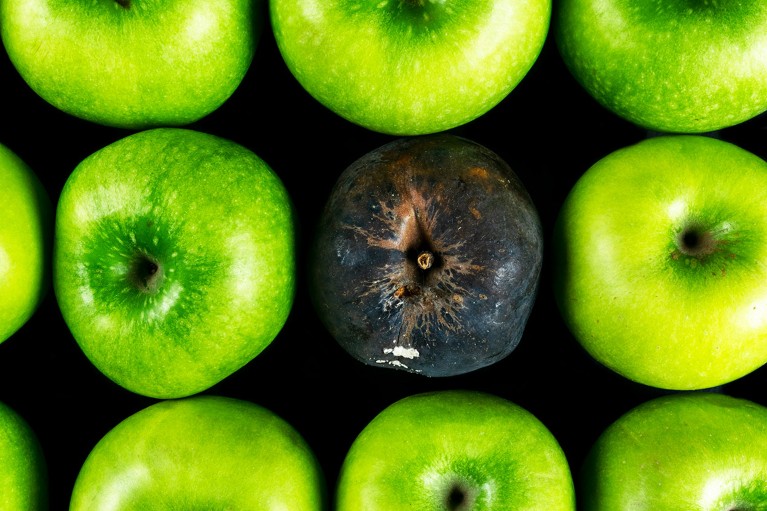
427	257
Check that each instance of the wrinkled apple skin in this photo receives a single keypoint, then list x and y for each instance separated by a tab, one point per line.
456	200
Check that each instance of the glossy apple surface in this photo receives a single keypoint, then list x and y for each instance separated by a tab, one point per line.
455	450
174	259
131	63
659	261
26	231
23	468
411	67
671	66
427	257
698	450
201	452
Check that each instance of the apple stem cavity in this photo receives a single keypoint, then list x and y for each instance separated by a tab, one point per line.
696	242
146	274
125	4
455	499
459	497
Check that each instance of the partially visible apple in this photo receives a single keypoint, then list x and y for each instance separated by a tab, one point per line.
26	231
671	66
130	63
659	261
202	452
427	257
455	450
689	451
174	259
410	67
23	467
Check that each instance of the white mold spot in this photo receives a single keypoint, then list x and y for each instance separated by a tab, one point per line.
395	363
400	351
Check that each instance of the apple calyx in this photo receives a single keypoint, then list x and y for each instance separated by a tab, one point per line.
146	273
125	4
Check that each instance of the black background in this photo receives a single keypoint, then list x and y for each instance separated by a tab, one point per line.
548	129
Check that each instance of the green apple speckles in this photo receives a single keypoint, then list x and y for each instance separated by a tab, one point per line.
201	452
672	65
410	67
687	451
659	261
174	259
25	241
455	451
132	64
23	468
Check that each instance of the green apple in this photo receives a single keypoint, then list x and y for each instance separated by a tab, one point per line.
659	252
455	450
174	259
201	452
671	66
414	66
132	63
688	451
25	238
23	468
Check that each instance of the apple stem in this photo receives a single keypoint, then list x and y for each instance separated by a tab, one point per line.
425	260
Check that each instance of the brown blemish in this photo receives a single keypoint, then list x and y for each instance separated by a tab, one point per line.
404	222
479	172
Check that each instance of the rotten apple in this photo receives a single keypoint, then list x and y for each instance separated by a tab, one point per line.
427	257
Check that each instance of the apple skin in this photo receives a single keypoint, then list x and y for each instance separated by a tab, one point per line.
25	242
455	450
686	451
174	259
201	452
678	66
658	261
436	194
23	468
133	64
412	67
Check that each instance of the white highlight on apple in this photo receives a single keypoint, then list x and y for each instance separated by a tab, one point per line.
723	484
199	25
169	298
119	487
5	265
244	269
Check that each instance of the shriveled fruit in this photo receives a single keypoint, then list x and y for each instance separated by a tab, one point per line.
427	257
